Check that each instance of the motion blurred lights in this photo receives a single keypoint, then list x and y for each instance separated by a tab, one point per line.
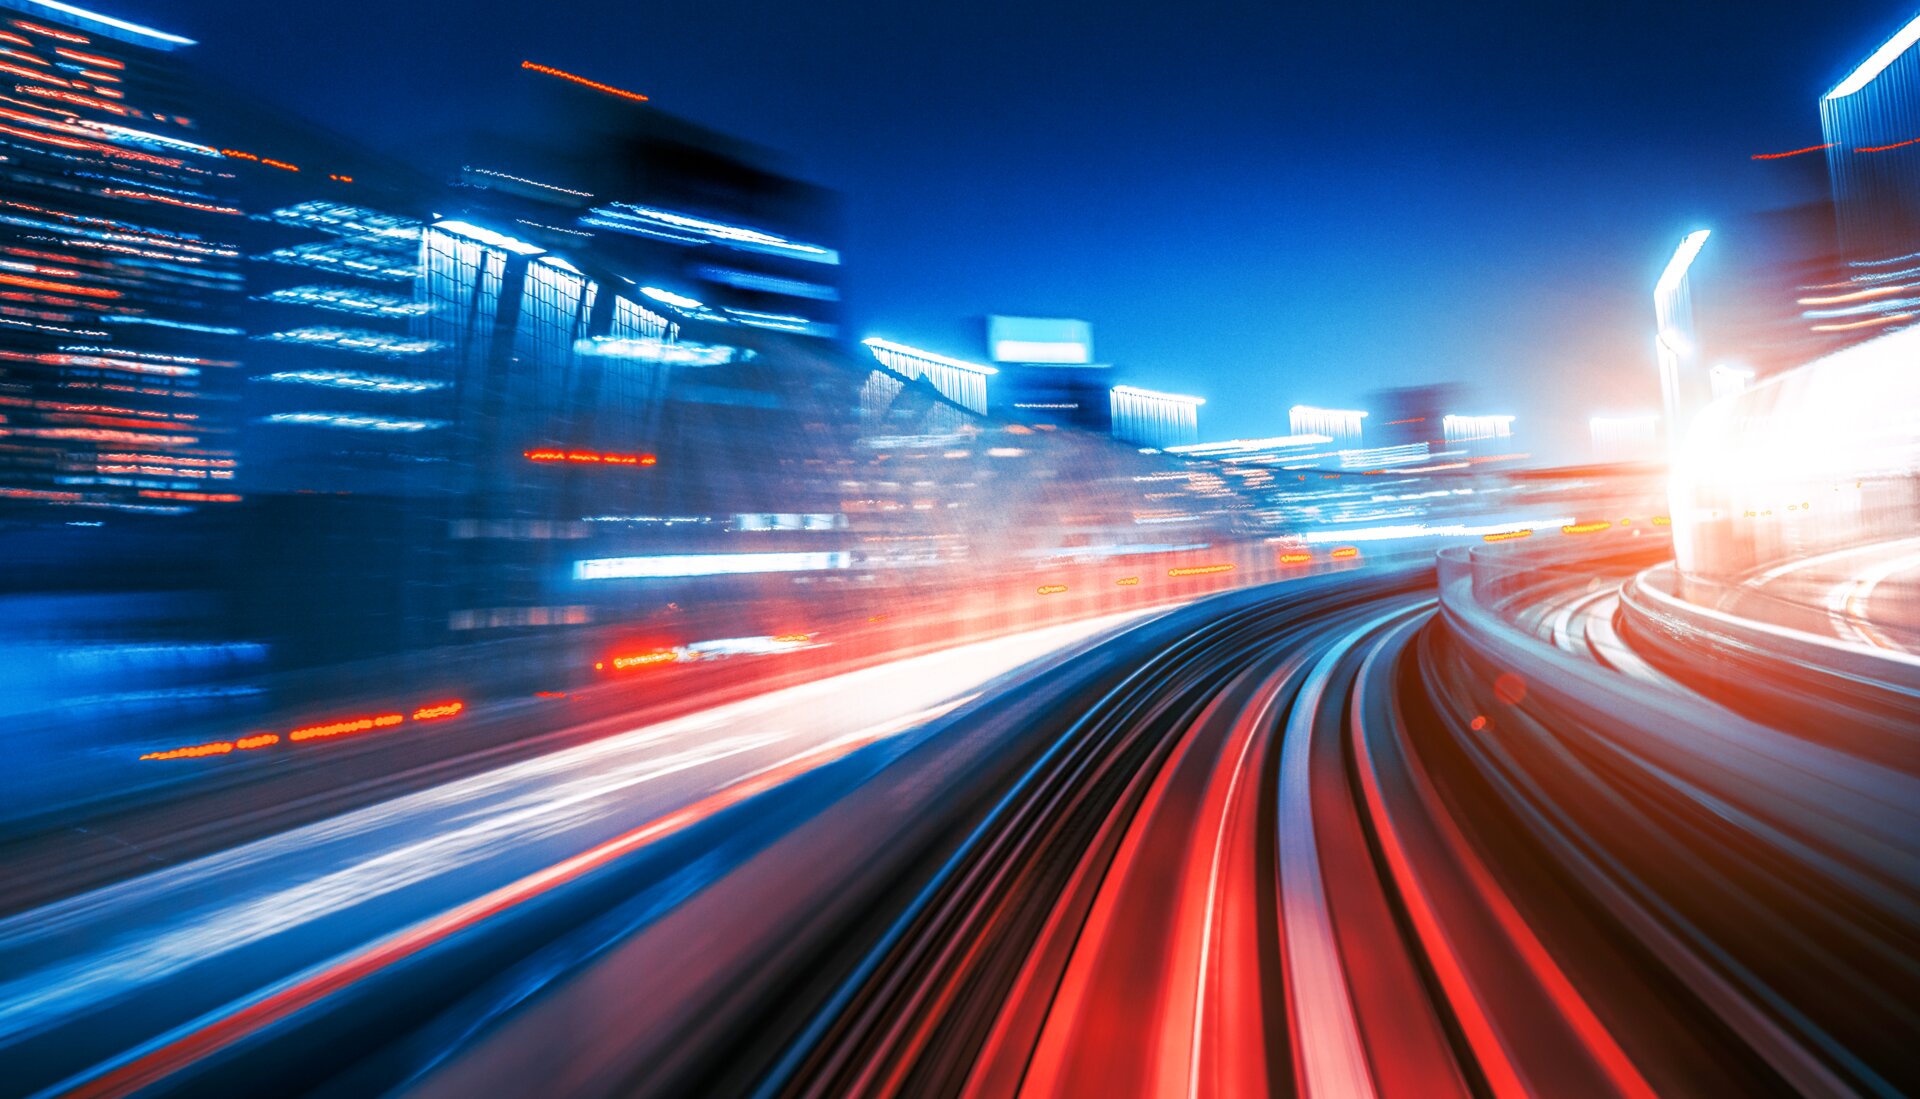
668	297
1150	419
1200	570
962	382
1873	66
1624	438
1467	429
562	74
361	340
650	349
352	422
1791	152
1339	424
1681	390
686	229
488	236
160	39
708	564
347	379
589	457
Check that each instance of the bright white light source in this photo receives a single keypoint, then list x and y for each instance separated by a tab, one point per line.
1873	66
668	297
489	236
118	24
879	344
1177	398
707	564
1683	258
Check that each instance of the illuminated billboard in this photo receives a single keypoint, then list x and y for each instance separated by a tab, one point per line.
1039	340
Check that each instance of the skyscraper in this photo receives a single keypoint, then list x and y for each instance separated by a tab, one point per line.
1871	123
119	279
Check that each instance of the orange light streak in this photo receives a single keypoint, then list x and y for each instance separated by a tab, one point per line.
583	81
78	39
642	660
32	74
342	728
1199	570
1872	323
143	196
89	58
1507	536
217	748
1051	589
1295	558
438	710
260	740
589	457
1857	295
1128	581
1586	528
191	497
1344	552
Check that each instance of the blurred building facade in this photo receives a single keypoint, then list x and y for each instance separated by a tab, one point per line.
1871	124
1048	373
120	278
1147	418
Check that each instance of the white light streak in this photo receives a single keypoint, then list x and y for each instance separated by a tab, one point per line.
708	564
1873	66
489	236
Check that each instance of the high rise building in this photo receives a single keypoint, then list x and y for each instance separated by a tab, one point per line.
713	220
120	282
1047	373
1871	124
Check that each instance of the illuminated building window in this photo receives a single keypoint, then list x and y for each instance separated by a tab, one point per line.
360	340
349	299
346	257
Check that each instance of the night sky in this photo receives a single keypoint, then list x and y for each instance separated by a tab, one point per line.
1264	204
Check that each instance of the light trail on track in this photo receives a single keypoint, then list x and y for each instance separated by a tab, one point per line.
1378	834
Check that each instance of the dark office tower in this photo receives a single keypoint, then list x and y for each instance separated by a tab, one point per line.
119	279
1047	373
1870	121
709	218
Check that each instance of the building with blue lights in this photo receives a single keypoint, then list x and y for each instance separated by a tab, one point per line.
1871	123
120	279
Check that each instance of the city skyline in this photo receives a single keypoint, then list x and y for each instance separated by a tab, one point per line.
1507	222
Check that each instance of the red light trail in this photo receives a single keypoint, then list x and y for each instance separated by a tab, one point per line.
433	711
1790	152
583	81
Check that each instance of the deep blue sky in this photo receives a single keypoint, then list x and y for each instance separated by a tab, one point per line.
1262	203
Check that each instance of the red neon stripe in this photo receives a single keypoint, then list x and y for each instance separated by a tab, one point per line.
584	82
1884	148
1489	1051
1791	152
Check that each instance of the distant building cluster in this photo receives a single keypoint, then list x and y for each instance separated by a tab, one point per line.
573	376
